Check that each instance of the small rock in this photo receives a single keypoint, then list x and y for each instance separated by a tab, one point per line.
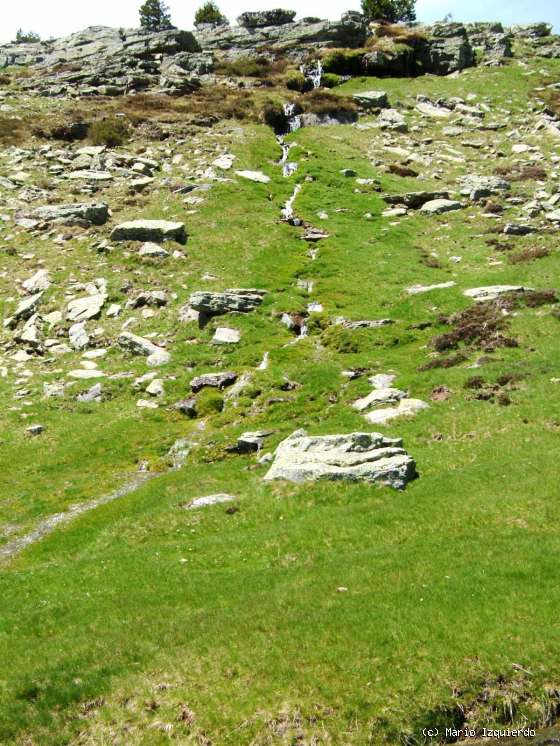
203	502
257	176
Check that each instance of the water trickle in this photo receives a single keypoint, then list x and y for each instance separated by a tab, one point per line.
288	210
294	120
314	74
263	365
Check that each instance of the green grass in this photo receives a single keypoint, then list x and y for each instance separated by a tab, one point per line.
144	623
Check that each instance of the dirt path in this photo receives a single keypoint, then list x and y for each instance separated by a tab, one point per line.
48	525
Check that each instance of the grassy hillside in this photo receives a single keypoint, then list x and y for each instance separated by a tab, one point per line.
324	613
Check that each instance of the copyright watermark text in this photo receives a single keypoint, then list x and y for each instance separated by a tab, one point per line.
464	733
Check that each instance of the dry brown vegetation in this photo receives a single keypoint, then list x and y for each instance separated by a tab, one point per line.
480	325
517	172
12	130
528	255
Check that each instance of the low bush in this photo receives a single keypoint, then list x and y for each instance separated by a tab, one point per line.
209	402
330	80
296	81
111	132
344	62
320	101
246	67
340	339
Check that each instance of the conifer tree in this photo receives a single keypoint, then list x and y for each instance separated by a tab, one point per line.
155	16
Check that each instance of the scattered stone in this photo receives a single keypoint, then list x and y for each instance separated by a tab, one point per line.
213	380
415	200
203	502
252	442
364	457
378	397
140	346
257	176
416	289
440	206
405	407
515	229
94	394
34	430
225	335
186	407
179	451
478	187
83	374
90	175
153	251
53	390
40	281
78	336
155	388
491	292
86	308
147	404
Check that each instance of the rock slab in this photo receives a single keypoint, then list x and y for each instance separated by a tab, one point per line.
354	457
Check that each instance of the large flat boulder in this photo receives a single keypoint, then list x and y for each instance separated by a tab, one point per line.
216	304
96	213
150	230
355	457
372	99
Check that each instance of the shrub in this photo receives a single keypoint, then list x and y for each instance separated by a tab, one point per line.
27	37
273	115
330	80
317	323
323	102
389	10
209	13
209	402
296	81
11	130
245	67
111	132
339	339
344	62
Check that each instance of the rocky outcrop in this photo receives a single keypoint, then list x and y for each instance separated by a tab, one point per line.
490	40
109	61
356	457
532	30
449	49
294	39
262	18
102	42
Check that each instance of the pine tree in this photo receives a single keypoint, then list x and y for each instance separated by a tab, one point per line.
155	16
27	37
209	13
389	10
